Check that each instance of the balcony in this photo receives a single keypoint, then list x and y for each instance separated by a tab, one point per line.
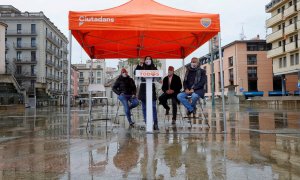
57	55
290	29
50	50
25	46
291	47
58	67
20	33
274	36
65	50
274	20
289	11
25	60
50	76
25	75
49	62
273	5
275	52
52	39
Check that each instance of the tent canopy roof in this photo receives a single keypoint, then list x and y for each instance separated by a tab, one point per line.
141	28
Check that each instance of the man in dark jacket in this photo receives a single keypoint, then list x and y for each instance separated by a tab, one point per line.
171	87
193	84
125	88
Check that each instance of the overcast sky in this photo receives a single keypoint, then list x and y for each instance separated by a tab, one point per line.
234	14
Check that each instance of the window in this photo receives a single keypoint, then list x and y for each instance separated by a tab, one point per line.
279	43
284	62
291	21
33	56
279	26
19	42
278	10
251	59
98	81
33	70
252	72
291	39
81	81
33	29
98	74
231	76
296	58
19	55
19	28
19	69
33	42
290	3
81	74
280	62
230	61
292	60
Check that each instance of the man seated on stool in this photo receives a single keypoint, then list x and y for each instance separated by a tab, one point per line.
171	87
125	88
194	81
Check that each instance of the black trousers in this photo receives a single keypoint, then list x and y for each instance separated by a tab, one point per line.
163	100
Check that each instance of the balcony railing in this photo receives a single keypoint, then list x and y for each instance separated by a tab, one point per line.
25	46
291	47
290	11
275	52
50	50
274	36
273	4
274	19
25	60
25	75
20	32
49	62
290	29
52	39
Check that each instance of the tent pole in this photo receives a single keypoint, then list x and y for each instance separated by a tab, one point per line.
69	84
222	82
90	96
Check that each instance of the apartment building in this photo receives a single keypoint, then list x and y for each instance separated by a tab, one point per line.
245	65
35	53
285	25
98	77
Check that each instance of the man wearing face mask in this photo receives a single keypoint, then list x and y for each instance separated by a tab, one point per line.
125	88
193	84
148	65
171	87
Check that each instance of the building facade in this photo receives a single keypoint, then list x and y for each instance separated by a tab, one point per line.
98	77
245	65
285	25
36	54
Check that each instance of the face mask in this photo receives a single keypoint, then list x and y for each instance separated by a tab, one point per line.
193	65
148	62
124	74
170	73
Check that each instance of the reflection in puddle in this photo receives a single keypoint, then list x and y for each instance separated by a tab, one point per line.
259	144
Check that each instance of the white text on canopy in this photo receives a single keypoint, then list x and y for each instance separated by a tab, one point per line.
149	73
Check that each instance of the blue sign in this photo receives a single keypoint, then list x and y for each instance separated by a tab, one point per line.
298	83
241	89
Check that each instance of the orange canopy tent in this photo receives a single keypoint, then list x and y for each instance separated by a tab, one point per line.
142	28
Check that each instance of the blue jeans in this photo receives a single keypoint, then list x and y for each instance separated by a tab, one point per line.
154	111
182	97
128	104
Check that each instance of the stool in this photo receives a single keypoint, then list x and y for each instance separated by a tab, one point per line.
203	116
117	114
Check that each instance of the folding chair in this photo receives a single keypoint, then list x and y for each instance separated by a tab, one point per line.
96	88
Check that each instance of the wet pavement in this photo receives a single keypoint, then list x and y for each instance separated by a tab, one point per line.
259	143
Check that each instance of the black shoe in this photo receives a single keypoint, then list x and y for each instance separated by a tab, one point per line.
189	113
167	111
195	111
155	127
131	125
173	122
